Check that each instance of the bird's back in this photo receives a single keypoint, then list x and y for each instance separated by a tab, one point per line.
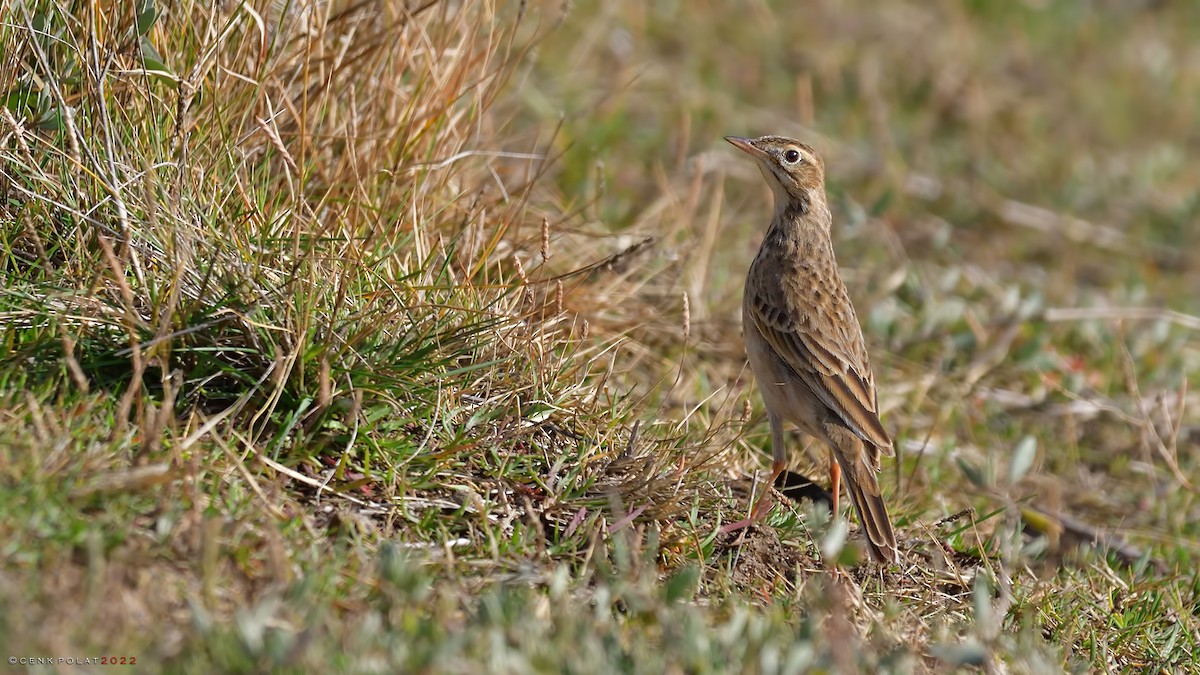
798	302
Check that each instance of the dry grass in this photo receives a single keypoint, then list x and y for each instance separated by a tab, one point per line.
377	336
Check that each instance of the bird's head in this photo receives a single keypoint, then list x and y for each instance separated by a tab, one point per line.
794	170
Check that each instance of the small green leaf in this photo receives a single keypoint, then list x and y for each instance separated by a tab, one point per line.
480	415
50	121
965	654
682	585
151	60
21	100
1022	459
539	412
40	23
1036	547
835	539
881	204
972	472
146	17
290	421
981	594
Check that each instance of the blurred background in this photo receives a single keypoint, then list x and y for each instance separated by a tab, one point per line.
1014	197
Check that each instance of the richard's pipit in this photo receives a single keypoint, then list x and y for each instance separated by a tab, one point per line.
803	339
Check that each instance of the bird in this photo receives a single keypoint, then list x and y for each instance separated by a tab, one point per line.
804	342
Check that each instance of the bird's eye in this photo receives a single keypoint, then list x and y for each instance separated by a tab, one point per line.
791	156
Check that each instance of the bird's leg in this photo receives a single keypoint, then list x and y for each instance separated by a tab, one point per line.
763	507
835	482
779	454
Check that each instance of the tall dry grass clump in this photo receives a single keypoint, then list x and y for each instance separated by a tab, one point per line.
258	189
295	237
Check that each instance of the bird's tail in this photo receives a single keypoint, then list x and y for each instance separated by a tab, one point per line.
864	490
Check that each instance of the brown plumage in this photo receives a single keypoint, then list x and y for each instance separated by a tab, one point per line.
804	341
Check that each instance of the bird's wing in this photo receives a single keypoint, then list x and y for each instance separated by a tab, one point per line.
824	346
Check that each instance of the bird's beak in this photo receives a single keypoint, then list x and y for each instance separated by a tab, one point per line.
746	145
